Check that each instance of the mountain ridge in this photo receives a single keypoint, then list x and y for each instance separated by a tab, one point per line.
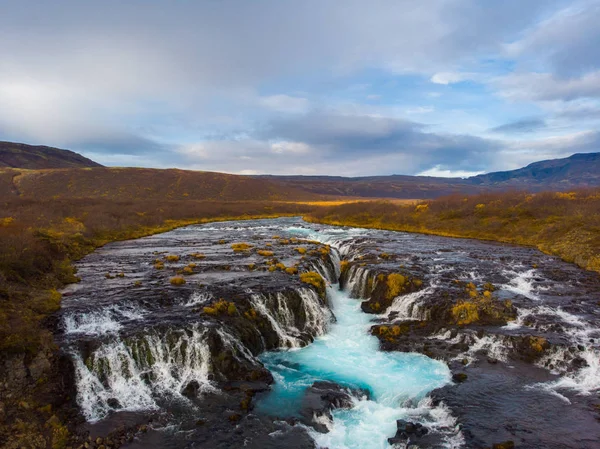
35	157
64	173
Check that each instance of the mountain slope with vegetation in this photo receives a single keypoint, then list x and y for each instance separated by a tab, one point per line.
35	157
126	184
576	171
582	169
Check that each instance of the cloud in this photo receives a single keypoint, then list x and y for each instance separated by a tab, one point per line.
548	87
438	172
285	103
526	125
567	42
446	78
257	86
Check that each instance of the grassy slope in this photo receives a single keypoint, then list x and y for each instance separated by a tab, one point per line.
562	224
145	184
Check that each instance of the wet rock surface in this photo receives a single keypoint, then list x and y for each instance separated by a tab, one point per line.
323	397
163	363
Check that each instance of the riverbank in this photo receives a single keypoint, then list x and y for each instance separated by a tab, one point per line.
566	225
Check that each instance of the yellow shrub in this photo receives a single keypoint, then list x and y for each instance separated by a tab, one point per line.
313	278
395	283
465	313
301	250
264	253
177	280
172	258
291	270
198	256
239	247
188	270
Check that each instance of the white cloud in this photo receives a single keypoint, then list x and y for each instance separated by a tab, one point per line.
290	147
446	78
439	172
285	103
548	87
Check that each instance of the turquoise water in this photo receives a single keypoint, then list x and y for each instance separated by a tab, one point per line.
348	355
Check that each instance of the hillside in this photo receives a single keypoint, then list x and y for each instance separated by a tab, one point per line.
581	170
141	184
395	186
20	155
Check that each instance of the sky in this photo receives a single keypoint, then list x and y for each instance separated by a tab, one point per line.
328	87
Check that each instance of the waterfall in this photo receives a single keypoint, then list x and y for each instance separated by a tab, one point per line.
358	282
130	374
285	323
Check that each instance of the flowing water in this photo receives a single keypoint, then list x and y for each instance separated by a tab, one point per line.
139	345
349	356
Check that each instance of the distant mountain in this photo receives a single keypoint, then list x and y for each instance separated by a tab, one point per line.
87	179
34	157
395	186
578	170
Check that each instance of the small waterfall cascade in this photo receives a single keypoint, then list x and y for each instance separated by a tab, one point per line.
134	373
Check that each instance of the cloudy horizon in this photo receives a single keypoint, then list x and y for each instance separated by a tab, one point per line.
438	87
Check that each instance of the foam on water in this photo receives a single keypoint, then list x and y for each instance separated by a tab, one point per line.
349	355
521	283
99	322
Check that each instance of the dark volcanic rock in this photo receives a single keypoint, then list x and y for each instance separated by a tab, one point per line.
323	397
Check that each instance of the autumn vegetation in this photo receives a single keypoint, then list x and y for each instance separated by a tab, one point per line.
562	224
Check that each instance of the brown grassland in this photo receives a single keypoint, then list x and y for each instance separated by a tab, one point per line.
562	224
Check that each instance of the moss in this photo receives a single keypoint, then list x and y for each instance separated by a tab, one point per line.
177	280
465	312
291	270
344	267
315	279
210	310
241	247
301	250
159	265
198	256
396	284
272	268
265	253
250	314
172	258
188	270
60	434
231	309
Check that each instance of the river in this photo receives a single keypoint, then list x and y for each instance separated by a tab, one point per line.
147	355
